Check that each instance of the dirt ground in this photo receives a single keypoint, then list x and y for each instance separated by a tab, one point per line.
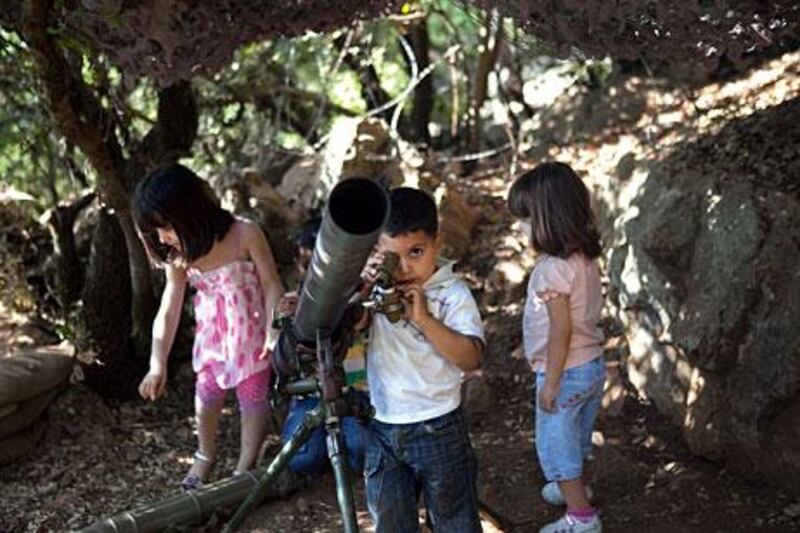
98	459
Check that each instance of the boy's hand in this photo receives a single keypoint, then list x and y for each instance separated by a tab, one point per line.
415	303
363	322
153	385
372	267
369	274
547	397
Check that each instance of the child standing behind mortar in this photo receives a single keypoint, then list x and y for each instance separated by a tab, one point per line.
418	440
312	457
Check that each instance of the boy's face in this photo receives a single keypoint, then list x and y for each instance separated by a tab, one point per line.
417	252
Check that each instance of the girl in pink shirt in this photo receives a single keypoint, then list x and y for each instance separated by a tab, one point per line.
561	336
229	264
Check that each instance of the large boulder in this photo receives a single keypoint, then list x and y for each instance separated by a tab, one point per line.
29	381
354	147
456	222
705	275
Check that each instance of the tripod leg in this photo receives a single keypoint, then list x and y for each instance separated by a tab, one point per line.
338	457
310	421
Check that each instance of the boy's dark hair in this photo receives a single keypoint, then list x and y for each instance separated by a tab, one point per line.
306	236
173	196
411	210
558	205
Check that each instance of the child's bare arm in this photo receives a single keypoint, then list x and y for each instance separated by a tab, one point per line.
464	351
559	333
164	327
261	254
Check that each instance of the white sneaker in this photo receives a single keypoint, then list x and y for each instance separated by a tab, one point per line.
551	493
567	524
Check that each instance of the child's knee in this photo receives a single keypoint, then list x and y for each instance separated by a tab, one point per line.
354	441
559	444
253	392
311	457
208	394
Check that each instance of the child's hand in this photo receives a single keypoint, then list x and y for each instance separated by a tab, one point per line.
363	321
371	269
265	354
547	397
368	276
287	304
415	303
269	344
153	385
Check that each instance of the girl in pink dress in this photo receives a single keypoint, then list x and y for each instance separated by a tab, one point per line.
230	265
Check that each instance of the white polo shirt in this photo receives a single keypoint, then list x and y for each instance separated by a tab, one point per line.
409	381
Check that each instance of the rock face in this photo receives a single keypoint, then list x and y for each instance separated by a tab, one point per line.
355	148
28	383
706	279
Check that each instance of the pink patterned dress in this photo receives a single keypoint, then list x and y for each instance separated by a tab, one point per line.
230	323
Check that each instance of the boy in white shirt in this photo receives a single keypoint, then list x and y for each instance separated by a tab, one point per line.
418	440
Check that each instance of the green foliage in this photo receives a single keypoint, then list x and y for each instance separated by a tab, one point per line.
28	153
275	98
280	97
33	157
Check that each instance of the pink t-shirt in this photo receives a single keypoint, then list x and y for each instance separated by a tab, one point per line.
579	278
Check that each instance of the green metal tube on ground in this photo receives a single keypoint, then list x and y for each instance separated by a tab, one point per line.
182	509
193	507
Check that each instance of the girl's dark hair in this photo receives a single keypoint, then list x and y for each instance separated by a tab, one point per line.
557	203
174	197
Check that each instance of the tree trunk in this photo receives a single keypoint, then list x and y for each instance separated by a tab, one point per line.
106	314
490	47
143	301
417	36
170	138
67	275
78	113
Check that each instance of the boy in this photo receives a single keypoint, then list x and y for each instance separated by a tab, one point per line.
312	457
418	440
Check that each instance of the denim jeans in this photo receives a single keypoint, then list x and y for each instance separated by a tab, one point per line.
312	457
564	438
434	458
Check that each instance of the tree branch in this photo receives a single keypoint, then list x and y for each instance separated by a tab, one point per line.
77	114
174	132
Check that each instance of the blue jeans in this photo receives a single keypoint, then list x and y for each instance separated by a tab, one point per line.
564	438
312	457
433	457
